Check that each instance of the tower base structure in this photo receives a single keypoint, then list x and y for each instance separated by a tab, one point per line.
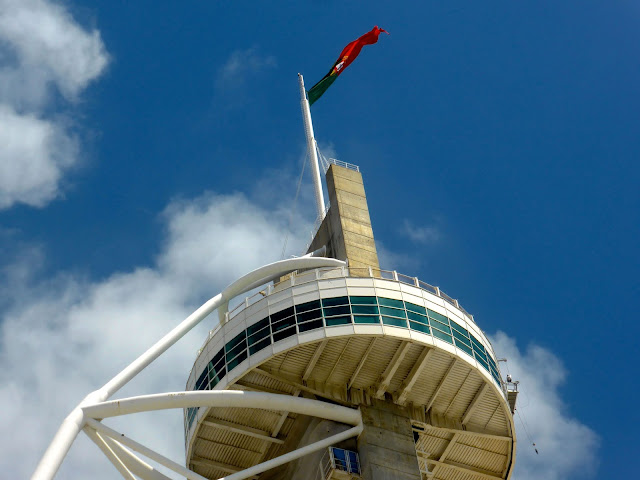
405	355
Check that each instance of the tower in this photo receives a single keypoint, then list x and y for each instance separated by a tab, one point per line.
333	369
405	355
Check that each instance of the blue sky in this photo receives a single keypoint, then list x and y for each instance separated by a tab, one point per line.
152	147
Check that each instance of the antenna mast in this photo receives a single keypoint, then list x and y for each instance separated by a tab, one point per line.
311	147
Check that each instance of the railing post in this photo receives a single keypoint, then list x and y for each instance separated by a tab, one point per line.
416	282
395	275
370	272
437	290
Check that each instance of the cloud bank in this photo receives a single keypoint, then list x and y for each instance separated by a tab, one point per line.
46	61
567	448
66	335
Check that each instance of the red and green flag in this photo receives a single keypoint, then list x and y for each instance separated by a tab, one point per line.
348	55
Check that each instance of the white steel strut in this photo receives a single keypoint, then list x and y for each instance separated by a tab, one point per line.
95	406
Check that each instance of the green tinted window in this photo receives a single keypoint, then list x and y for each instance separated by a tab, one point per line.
256	347
365	319
418	318
363	300
236	340
442	336
332	302
390	302
305	307
310	325
310	315
337	321
258	331
419	327
465	348
477	343
396	322
441	326
333	311
462	338
459	328
437	316
482	362
412	307
479	353
395	312
365	309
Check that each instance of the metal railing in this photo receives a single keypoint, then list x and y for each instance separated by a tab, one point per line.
340	163
338	459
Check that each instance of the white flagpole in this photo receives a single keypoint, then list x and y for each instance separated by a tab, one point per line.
311	146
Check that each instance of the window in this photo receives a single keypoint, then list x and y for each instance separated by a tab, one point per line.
442	336
258	336
390	302
411	307
236	350
332	302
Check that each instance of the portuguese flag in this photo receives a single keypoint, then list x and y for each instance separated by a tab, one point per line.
348	55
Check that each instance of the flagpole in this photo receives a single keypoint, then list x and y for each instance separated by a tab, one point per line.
311	147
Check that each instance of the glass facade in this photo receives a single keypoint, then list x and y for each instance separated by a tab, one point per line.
331	312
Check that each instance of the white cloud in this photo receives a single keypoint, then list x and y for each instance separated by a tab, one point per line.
34	153
240	65
42	51
566	447
425	235
65	336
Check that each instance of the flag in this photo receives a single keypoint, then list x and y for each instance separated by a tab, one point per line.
348	55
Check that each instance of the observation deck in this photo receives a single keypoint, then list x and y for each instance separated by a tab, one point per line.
354	337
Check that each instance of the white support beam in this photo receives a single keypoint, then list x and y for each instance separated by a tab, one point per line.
418	367
147	452
474	403
110	454
298	385
314	360
469	470
283	417
134	463
361	364
392	368
242	429
224	398
440	385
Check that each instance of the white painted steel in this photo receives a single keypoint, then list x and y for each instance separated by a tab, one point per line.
224	398
75	421
136	465
110	454
312	149
229	398
147	452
